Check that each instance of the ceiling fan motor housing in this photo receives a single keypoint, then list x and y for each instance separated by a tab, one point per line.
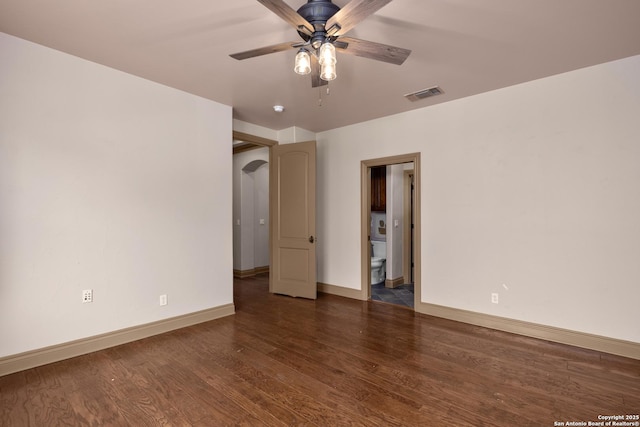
317	13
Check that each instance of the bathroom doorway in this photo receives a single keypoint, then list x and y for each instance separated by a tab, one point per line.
390	193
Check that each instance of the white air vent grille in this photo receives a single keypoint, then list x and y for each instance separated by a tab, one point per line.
424	93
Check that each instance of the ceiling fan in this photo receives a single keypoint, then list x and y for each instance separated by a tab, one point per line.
322	26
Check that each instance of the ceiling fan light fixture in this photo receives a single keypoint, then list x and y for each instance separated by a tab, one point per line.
327	53
328	71
302	64
321	24
327	60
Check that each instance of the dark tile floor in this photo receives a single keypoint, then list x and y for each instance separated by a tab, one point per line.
401	295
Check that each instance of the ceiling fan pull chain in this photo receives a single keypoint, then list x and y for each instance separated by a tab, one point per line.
320	94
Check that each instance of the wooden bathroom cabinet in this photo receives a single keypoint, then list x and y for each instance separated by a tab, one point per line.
379	189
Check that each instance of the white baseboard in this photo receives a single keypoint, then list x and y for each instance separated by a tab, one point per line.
534	330
43	356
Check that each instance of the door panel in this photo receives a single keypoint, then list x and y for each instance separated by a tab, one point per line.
293	265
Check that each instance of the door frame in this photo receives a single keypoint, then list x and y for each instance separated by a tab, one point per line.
365	222
408	218
257	142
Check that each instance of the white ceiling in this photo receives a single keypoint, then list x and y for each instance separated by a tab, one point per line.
464	46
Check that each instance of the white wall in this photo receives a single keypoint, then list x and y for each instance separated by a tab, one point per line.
255	130
536	187
395	212
295	134
261	209
108	182
283	136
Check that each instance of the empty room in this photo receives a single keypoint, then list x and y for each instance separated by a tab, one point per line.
349	212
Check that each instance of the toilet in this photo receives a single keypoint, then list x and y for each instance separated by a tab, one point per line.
378	261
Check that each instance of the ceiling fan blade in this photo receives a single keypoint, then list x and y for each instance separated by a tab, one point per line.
372	50
265	50
285	12
350	15
316	81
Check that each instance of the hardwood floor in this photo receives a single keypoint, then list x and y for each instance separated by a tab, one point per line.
331	362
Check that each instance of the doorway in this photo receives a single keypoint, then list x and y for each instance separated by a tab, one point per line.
291	217
401	224
252	225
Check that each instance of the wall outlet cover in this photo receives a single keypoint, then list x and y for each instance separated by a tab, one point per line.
87	296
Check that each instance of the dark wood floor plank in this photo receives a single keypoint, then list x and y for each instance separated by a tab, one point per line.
304	355
255	401
335	362
330	362
332	357
255	353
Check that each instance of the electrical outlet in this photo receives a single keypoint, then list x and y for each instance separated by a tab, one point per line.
87	295
163	299
494	298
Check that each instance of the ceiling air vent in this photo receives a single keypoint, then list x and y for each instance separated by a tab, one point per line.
424	93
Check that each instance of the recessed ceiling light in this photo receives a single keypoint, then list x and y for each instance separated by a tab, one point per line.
278	108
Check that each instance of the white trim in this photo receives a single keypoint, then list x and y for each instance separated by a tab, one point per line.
43	356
